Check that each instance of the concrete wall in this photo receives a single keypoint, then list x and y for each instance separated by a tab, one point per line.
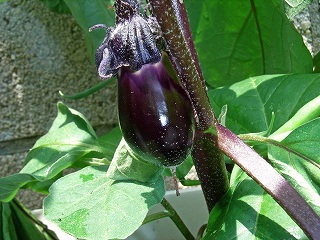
42	52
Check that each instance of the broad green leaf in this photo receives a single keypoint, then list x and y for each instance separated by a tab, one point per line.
128	166
251	102
248	212
293	7
239	39
89	13
302	170
89	205
70	139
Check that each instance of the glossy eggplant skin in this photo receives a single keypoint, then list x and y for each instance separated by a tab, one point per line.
155	114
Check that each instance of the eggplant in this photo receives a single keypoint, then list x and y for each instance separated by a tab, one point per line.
155	114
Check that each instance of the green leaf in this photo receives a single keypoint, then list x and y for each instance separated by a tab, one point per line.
16	222
128	166
89	13
111	140
69	139
293	7
58	6
239	39
252	102
7	230
302	170
184	168
89	205
10	185
247	212
308	112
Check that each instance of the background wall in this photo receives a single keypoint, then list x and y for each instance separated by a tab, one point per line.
42	52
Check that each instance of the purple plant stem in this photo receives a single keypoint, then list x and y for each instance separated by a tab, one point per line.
211	169
271	181
172	18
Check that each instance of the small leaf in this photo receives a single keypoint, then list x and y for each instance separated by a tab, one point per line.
181	170
89	205
184	168
247	212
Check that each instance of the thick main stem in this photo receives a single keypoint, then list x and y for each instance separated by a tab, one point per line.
172	18
208	161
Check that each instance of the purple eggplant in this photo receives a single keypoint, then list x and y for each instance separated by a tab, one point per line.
155	114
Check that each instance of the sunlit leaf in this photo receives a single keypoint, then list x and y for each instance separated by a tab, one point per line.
302	170
247	212
89	205
252	102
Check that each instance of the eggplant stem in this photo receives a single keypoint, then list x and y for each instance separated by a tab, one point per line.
175	180
273	142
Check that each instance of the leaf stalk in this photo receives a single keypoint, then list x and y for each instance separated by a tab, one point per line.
177	220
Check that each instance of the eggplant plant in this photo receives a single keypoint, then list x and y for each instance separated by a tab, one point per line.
225	86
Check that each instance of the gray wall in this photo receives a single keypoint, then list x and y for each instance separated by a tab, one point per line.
41	53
